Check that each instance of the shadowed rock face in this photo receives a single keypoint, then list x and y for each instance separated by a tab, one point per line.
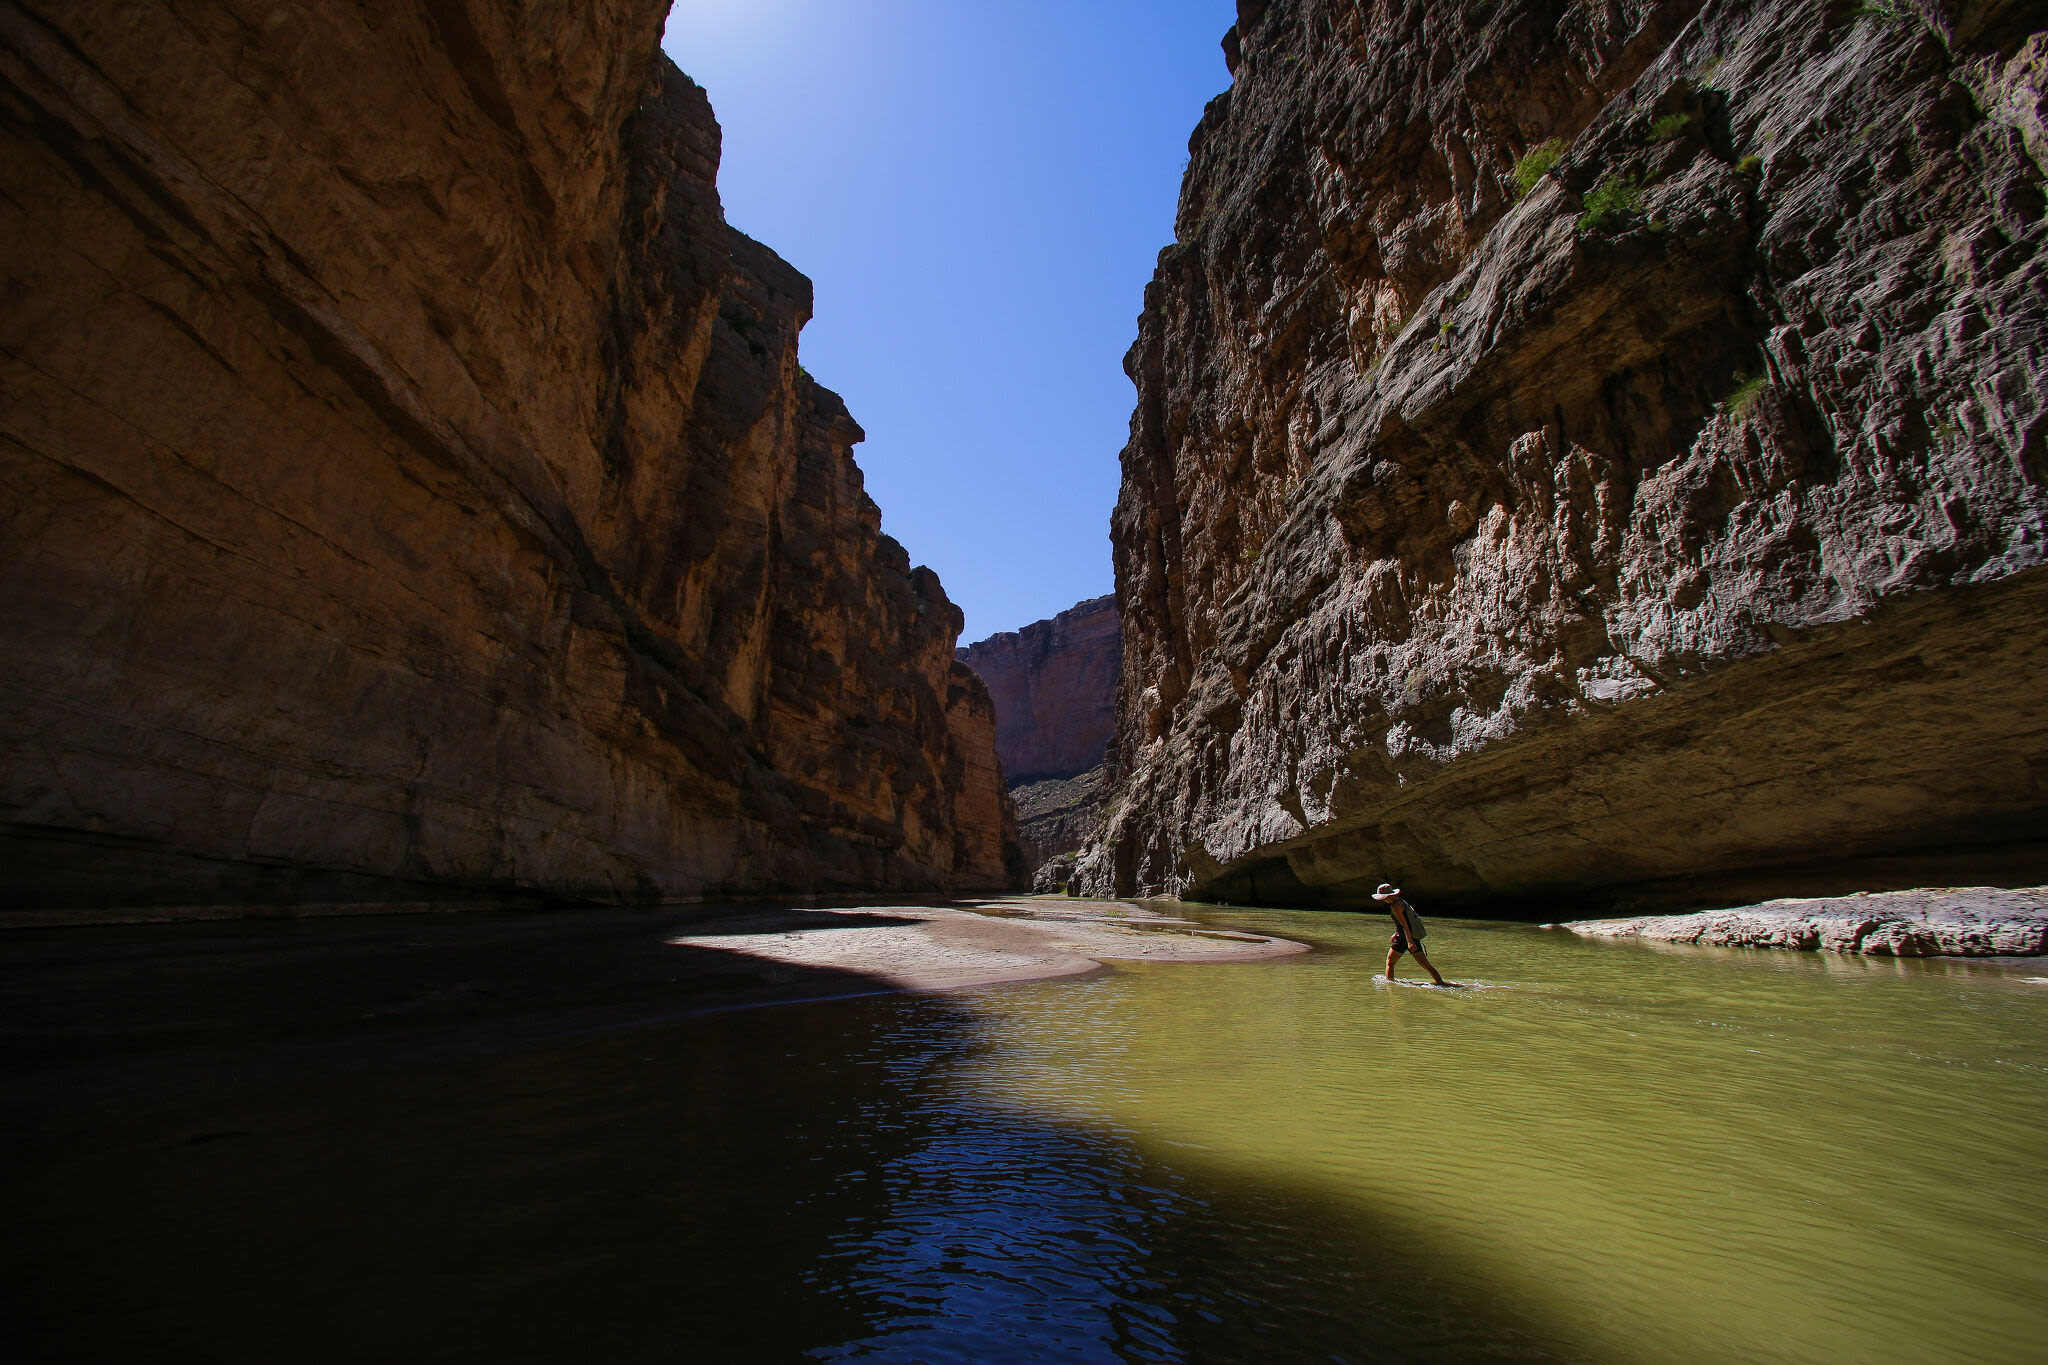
1057	815
409	482
1678	520
1054	688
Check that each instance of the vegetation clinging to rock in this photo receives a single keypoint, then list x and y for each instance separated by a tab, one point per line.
1749	391
1615	194
1532	167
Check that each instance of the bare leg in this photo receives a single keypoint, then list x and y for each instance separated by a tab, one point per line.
1423	958
1393	956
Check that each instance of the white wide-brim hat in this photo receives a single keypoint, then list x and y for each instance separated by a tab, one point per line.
1387	893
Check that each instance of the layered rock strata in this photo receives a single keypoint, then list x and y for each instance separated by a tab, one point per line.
411	487
1054	688
1979	921
1053	685
1594	450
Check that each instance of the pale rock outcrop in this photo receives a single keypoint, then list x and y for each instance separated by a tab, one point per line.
1978	921
1054	874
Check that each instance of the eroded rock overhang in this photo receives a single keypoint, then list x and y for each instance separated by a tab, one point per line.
1665	520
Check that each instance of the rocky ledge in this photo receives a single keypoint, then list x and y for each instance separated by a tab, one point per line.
1977	921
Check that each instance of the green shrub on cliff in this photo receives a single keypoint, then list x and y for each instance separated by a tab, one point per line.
1531	168
1669	127
1749	391
1615	194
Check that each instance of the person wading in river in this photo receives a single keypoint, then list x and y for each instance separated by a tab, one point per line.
1408	932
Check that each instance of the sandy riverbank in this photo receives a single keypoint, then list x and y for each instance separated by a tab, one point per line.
980	943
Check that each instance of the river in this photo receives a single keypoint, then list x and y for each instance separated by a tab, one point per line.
1594	1152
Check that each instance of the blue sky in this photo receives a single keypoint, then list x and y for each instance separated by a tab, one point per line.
979	189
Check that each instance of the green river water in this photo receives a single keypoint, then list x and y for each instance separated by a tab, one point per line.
1601	1152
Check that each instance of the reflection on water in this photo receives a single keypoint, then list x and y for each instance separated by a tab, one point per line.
1620	1154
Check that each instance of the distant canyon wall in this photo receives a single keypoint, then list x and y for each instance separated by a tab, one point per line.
411	486
1054	688
1053	685
1593	452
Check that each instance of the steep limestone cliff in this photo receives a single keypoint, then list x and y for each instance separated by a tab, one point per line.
1054	688
1592	450
409	484
1053	684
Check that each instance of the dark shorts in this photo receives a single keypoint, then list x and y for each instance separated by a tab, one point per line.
1399	943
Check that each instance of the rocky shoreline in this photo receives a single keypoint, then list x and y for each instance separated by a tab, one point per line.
1974	921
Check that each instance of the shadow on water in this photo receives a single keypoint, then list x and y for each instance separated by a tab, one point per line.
802	1182
366	985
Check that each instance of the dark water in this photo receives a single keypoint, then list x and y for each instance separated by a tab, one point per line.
1608	1153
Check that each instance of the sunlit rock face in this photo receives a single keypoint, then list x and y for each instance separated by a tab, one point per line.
1677	523
1053	684
1054	688
410	484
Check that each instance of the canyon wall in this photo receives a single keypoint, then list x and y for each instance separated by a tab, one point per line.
1054	688
1593	451
1054	684
410	484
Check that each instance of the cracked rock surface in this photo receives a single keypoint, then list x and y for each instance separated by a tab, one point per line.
1590	450
1058	815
